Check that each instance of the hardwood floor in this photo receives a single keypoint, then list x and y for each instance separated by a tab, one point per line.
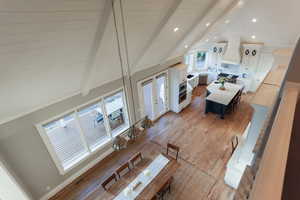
204	141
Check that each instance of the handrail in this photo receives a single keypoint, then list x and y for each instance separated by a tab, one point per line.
269	180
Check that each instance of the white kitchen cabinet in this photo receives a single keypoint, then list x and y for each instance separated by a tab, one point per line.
215	55
250	57
263	68
179	90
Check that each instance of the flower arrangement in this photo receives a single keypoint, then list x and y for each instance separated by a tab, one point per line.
222	80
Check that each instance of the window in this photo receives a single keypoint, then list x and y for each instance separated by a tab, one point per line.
200	61
189	61
116	112
195	61
73	137
91	120
64	136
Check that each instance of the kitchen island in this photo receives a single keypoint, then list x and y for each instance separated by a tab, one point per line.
219	101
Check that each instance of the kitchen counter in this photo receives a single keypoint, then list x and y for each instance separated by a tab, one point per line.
222	96
219	101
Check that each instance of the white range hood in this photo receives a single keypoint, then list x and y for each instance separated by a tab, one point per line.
232	54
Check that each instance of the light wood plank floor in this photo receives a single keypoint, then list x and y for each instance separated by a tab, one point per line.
204	140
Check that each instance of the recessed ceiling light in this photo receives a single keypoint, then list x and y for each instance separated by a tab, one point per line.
186	46
253	37
207	24
254	20
227	21
207	40
176	29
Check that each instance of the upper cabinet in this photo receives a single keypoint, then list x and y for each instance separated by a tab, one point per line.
250	56
215	55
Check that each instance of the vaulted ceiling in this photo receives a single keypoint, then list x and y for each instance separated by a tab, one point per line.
276	23
50	50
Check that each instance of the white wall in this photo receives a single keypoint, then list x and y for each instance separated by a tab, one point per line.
44	48
9	188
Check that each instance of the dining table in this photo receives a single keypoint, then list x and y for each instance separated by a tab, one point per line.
147	182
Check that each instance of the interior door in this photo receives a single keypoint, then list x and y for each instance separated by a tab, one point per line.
161	95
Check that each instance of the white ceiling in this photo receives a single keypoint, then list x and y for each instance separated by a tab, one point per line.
277	23
142	24
45	46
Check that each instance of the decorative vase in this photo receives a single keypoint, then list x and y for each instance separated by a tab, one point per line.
222	87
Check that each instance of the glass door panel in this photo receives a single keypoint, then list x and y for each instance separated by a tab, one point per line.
147	89
161	106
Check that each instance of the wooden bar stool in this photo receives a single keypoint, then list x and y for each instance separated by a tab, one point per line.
234	143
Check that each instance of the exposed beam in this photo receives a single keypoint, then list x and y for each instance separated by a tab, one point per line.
201	21
157	31
200	24
90	66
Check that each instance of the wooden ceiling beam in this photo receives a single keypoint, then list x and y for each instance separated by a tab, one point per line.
157	32
192	36
90	66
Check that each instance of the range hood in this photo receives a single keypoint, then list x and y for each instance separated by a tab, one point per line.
232	54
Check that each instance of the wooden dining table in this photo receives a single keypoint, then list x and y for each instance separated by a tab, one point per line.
150	190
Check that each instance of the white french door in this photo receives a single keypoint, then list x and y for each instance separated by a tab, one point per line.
153	94
147	99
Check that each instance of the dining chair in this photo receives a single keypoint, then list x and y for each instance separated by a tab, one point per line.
104	184
166	188
136	159
174	149
121	169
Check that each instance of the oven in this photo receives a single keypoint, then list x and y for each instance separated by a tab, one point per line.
182	92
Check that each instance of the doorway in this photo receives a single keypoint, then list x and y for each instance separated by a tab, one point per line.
153	95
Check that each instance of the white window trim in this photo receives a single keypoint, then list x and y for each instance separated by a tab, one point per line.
73	112
193	65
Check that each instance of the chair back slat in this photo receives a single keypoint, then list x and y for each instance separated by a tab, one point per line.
173	148
165	188
136	157
122	168
109	180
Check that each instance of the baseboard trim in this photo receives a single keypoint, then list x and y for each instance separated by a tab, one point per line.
76	175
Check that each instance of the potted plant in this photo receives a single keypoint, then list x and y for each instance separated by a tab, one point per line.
222	80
